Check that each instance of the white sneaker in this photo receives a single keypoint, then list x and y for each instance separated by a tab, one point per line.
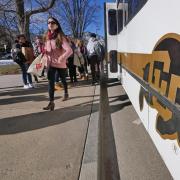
26	86
31	86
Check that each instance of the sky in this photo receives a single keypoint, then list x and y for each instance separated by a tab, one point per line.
92	28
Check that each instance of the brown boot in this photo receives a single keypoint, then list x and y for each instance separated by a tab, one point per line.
58	86
66	97
87	77
50	106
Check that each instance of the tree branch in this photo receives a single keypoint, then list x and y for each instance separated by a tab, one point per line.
42	9
8	11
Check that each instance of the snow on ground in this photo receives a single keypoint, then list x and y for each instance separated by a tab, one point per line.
7	62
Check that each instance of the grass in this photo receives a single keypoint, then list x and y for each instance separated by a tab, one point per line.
9	69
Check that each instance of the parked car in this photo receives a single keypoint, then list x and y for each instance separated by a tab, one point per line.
6	56
2	54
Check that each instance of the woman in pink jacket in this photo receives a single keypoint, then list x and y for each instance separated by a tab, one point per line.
57	50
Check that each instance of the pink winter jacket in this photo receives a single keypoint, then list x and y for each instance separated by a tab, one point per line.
56	57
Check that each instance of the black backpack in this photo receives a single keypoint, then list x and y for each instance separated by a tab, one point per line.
99	50
17	55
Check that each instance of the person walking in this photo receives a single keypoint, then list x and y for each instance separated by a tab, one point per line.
70	64
83	50
58	84
80	58
38	49
27	50
93	58
57	50
18	54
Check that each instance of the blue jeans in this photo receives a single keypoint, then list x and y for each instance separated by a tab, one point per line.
57	76
25	76
51	77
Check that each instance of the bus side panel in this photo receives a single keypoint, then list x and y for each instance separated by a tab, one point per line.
168	148
132	88
140	37
148	71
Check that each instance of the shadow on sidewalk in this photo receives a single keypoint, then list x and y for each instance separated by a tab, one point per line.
119	98
41	88
35	98
44	119
20	91
22	99
40	93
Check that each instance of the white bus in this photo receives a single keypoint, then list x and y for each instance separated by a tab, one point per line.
143	50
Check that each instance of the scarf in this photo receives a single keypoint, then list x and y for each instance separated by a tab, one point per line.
52	35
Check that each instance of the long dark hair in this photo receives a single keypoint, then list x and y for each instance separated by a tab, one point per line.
58	34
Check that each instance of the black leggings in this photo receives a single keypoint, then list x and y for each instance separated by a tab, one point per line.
72	69
51	78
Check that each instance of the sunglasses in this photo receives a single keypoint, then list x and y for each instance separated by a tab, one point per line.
51	22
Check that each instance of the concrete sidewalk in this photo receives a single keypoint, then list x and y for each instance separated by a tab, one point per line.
37	144
137	156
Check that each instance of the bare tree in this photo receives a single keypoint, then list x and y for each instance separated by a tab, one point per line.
23	17
16	14
77	15
6	22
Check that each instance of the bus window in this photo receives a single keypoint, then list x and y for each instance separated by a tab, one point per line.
120	20
112	22
134	7
120	1
113	61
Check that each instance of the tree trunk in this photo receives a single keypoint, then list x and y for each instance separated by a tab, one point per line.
20	15
26	29
23	17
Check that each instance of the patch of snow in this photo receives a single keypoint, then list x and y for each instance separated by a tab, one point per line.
6	62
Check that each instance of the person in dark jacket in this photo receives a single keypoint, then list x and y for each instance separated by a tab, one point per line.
93	58
21	60
70	63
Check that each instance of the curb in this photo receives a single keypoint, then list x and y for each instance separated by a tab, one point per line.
89	168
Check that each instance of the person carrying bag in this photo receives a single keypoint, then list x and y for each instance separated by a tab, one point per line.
22	60
57	51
